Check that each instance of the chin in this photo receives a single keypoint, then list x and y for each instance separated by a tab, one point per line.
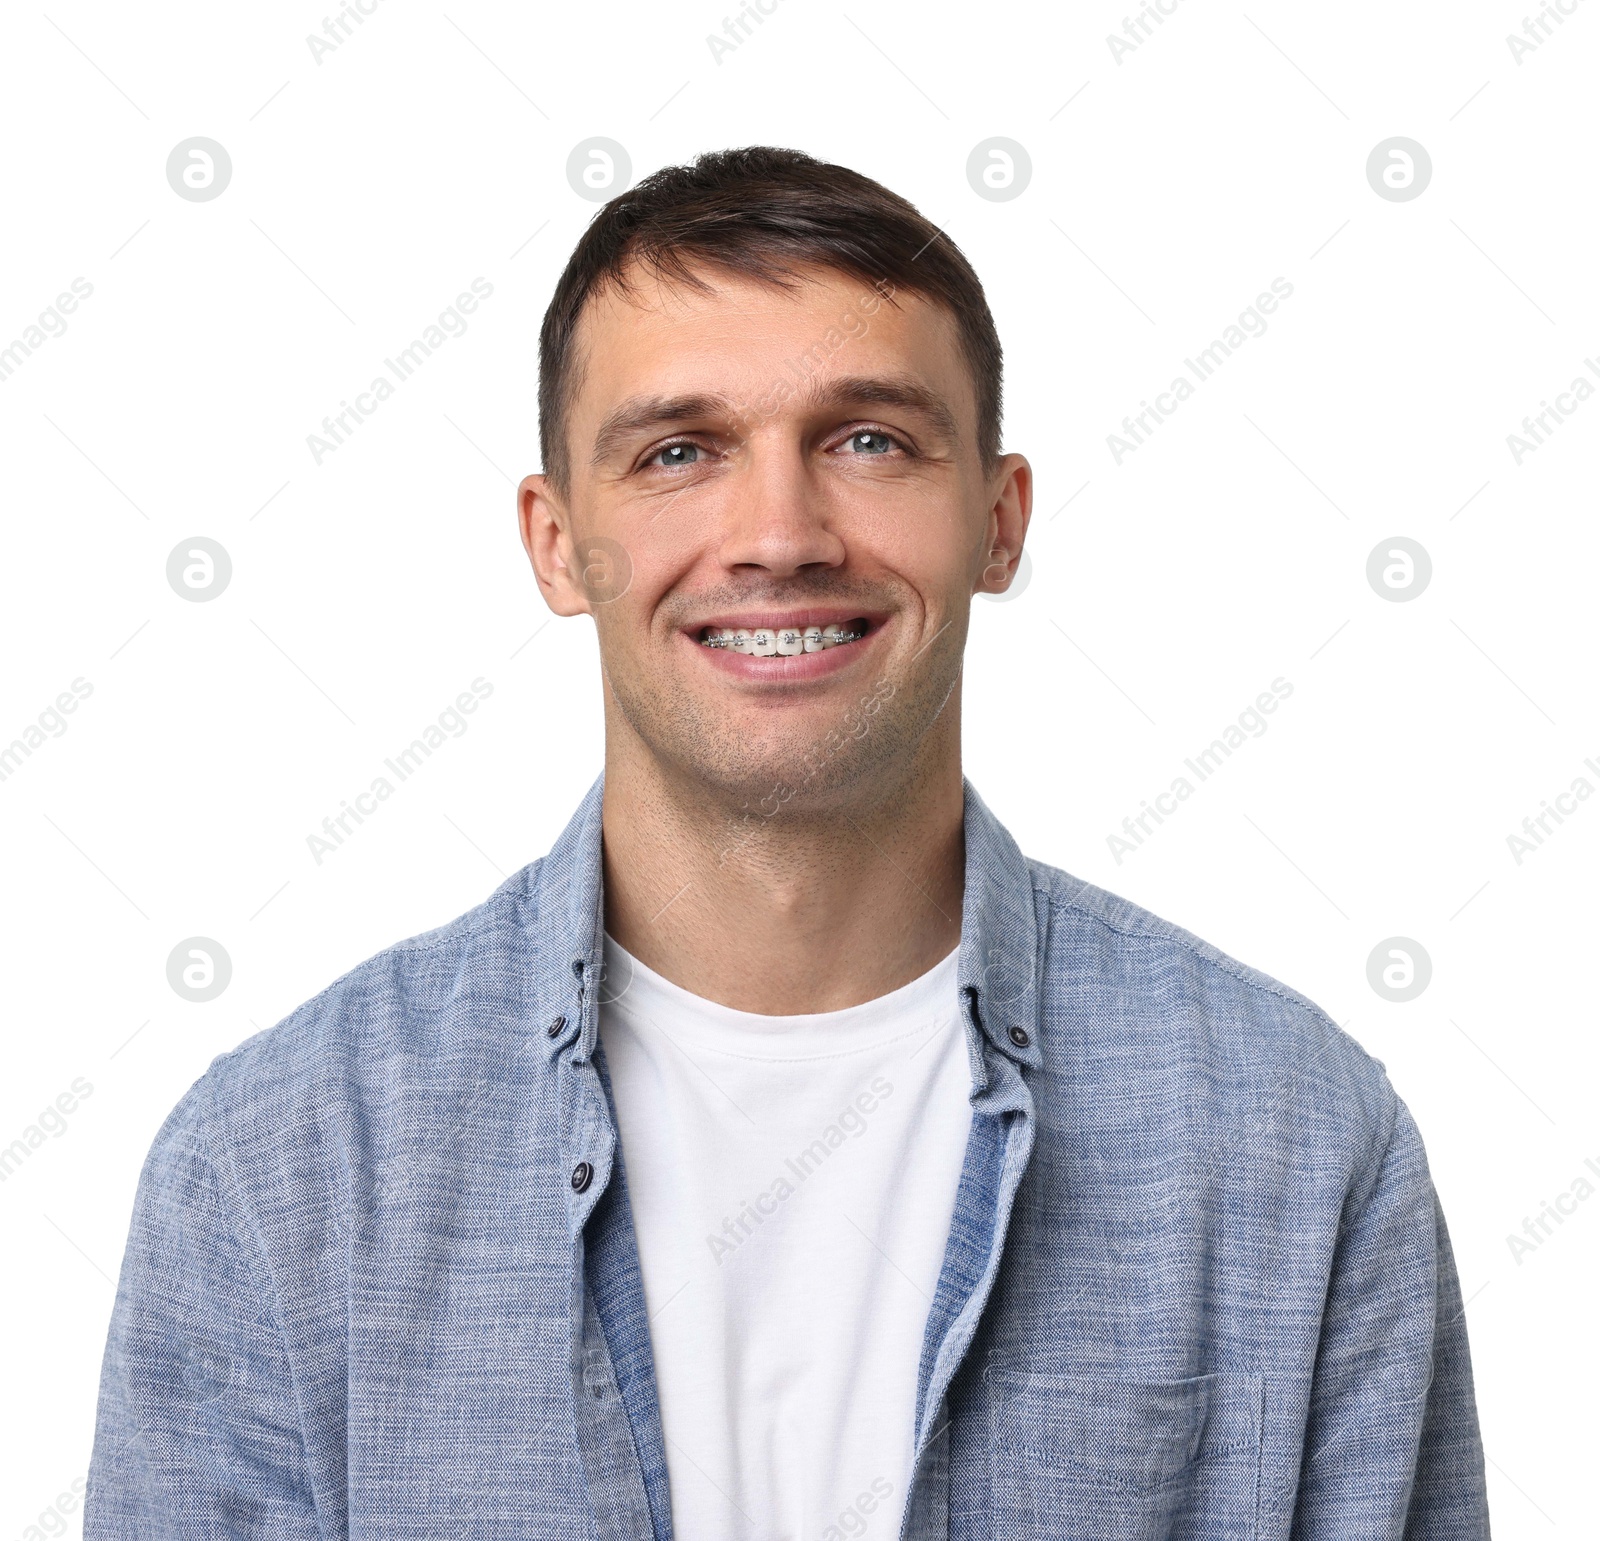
815	756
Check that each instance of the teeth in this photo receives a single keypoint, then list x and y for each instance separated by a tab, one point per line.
779	641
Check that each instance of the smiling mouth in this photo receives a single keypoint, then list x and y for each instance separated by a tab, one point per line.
783	641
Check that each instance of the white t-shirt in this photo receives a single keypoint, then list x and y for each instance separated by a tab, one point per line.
792	1181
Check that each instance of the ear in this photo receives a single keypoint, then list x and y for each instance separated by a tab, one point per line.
547	538
1010	509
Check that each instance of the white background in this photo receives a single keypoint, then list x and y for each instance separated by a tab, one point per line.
1167	191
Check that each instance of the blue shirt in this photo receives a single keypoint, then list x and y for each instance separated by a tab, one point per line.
381	1280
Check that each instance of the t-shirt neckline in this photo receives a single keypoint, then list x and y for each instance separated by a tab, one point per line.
644	996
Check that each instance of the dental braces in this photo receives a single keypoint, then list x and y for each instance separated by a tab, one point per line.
847	636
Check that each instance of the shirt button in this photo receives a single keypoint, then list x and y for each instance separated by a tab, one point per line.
581	1174
1019	1036
554	1029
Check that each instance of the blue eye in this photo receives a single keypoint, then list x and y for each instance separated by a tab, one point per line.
676	455
870	442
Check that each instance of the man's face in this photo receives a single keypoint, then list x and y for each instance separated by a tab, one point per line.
793	476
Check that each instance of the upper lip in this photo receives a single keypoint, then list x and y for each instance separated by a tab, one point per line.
780	620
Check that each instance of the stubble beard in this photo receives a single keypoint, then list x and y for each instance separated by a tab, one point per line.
841	763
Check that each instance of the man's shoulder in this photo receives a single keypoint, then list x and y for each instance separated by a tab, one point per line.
412	1000
1125	982
1084	915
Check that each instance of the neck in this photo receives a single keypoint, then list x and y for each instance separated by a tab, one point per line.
783	905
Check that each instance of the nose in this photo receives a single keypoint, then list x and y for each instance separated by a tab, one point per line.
777	519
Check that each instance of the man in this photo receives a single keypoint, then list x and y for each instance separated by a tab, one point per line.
784	1155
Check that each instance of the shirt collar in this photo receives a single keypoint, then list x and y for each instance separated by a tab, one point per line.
996	968
997	971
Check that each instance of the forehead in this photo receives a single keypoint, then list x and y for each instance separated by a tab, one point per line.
741	337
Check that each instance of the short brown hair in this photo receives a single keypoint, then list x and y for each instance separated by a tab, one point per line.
763	213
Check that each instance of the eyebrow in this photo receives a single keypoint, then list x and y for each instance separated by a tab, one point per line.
641	413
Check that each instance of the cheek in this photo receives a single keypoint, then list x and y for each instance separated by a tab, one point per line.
666	524
603	567
929	541
637	616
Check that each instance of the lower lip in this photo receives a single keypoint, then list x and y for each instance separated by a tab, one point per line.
785	669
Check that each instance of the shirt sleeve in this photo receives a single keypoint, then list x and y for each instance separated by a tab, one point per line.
1392	1448
198	1432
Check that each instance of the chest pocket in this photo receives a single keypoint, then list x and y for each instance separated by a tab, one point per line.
1084	1456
